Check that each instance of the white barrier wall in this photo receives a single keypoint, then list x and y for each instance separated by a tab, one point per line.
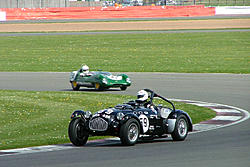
232	10
33	3
2	16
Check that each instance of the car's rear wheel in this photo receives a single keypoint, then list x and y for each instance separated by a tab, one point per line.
75	86
123	87
181	129
78	134
129	132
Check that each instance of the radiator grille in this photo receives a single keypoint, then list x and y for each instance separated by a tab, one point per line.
98	124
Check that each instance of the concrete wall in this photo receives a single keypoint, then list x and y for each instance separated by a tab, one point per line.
2	16
224	10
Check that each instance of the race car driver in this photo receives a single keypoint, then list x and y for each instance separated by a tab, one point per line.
142	99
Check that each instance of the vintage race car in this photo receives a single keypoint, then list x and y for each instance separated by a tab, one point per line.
99	80
130	122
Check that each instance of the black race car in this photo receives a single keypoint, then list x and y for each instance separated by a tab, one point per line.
131	121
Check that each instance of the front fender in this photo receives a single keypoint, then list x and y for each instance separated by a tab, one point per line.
129	116
73	76
77	114
172	119
99	79
123	75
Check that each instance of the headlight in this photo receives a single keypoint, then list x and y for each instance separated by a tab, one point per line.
164	112
104	80
128	80
87	114
112	117
109	111
119	116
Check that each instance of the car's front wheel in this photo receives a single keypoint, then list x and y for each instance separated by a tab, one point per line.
181	129
129	132
77	132
98	87
75	86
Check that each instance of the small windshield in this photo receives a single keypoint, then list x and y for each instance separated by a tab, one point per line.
101	72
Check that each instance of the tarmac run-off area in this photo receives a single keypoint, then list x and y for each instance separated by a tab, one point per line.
126	25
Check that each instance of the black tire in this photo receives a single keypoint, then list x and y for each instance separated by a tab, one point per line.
75	86
181	129
123	87
77	132
98	87
129	132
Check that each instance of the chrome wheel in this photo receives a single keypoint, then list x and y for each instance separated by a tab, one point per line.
129	132
133	132
182	127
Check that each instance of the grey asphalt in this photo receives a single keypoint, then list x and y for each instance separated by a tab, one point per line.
227	147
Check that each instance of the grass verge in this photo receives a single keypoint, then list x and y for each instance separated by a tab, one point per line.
31	118
213	52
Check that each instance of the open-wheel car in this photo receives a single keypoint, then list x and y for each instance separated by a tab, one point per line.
131	121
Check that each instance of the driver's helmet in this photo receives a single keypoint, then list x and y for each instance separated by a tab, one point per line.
142	96
85	69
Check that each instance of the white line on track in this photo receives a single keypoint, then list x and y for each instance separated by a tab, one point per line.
226	111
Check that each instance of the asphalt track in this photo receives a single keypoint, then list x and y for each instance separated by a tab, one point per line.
221	147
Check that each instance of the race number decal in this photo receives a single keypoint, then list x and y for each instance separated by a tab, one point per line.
145	122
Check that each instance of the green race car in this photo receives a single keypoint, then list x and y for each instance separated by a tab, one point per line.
99	80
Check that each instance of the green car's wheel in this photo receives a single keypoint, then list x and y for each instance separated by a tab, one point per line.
77	132
98	86
123	87
75	86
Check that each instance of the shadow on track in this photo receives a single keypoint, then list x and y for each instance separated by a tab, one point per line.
117	143
92	90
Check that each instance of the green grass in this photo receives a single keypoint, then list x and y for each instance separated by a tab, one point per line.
223	52
30	118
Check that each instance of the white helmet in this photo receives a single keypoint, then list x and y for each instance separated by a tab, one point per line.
142	96
85	68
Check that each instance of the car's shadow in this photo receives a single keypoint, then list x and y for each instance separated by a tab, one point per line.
92	90
117	143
